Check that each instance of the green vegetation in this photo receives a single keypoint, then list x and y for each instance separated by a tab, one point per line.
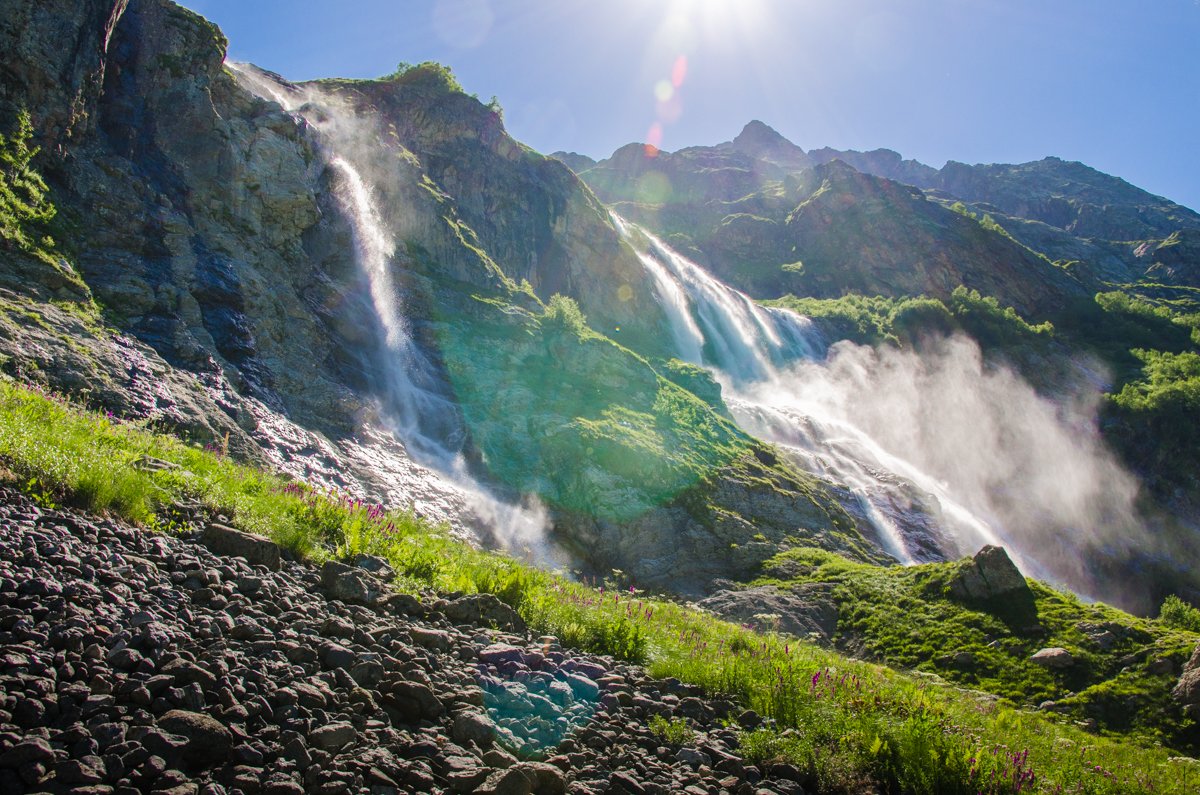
872	321
906	617
675	731
427	73
25	206
849	725
1179	614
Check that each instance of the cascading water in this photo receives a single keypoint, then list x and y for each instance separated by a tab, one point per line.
416	404
752	350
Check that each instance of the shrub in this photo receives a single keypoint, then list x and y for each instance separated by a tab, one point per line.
563	313
1179	614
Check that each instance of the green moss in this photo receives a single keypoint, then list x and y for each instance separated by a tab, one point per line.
906	618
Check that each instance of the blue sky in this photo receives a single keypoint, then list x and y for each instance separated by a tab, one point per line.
1113	83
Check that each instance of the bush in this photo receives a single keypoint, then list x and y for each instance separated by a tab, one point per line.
1179	614
563	313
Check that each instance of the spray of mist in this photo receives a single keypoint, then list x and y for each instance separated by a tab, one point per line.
415	405
936	452
1024	470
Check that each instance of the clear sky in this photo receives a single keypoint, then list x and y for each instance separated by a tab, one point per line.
1113	83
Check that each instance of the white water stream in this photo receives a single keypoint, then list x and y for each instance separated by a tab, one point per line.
753	352
416	405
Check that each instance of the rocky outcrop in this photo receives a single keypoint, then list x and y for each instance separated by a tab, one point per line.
142	662
990	575
1187	691
807	611
56	52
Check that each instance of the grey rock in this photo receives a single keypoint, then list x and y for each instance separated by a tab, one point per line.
1053	657
484	609
1187	690
803	612
470	726
257	550
991	575
350	584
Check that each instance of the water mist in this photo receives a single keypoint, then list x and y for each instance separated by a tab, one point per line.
415	401
937	453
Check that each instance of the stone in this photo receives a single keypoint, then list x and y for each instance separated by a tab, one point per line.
484	609
333	736
545	778
1054	657
500	653
208	742
32	750
471	726
257	550
804	612
512	781
414	700
350	584
991	575
1187	690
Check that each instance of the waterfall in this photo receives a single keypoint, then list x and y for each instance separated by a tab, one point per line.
416	403
754	351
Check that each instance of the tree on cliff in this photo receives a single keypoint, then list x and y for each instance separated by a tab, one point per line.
25	205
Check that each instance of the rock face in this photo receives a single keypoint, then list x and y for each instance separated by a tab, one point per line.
991	575
122	677
214	229
805	612
1187	692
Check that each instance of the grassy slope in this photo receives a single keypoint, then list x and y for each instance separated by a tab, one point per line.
851	723
905	617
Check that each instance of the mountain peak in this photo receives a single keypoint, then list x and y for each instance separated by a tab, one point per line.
760	134
758	139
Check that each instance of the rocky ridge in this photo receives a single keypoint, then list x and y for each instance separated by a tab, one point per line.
138	662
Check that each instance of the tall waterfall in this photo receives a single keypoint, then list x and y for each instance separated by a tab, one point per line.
754	352
416	404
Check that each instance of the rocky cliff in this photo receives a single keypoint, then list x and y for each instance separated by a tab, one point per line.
210	277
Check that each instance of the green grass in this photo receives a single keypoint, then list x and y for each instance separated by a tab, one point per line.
847	724
905	617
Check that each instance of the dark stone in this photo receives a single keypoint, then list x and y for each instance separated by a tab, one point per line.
208	742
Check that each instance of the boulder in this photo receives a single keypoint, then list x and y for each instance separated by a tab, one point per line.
990	575
807	610
257	550
350	584
1054	657
484	609
208	742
